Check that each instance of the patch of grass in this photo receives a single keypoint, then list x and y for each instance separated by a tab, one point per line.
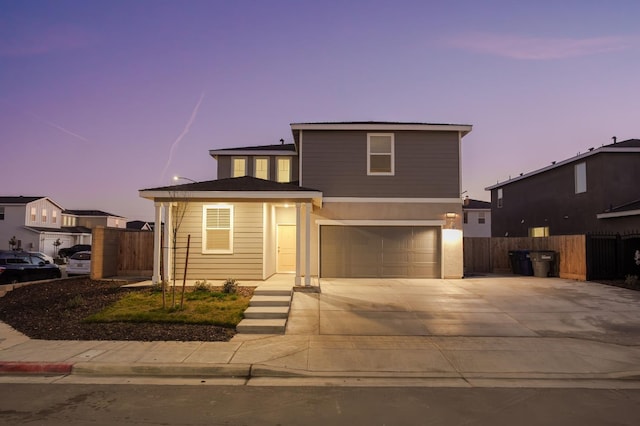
211	308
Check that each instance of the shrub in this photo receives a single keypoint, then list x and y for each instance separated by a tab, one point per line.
631	280
230	286
202	286
75	302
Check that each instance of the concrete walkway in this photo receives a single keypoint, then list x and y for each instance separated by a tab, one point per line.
494	331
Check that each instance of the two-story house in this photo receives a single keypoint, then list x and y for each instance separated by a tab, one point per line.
596	191
476	218
37	223
357	199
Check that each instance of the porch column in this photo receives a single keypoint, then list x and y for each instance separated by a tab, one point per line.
157	244
168	231
307	244
297	282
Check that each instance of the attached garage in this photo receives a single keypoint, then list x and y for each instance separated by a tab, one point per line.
380	251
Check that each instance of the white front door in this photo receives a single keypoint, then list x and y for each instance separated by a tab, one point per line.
286	248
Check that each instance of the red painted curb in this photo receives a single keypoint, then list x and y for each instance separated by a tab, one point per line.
35	367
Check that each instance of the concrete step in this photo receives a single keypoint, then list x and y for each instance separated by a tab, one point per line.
266	291
261	326
267	312
270	301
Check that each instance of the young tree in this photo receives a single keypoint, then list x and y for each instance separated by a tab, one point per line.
13	242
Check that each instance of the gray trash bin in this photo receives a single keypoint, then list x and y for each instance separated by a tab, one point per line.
542	262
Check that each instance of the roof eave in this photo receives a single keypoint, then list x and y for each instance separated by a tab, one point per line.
462	128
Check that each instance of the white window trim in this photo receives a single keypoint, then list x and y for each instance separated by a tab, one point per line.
580	175
204	228
278	168
500	197
233	168
393	155
255	168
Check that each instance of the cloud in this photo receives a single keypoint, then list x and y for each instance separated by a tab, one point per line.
538	48
30	42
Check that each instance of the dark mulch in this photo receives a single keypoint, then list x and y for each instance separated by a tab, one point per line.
55	311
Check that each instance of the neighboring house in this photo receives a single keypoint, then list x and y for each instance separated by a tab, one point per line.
592	192
476	220
359	199
37	223
93	219
139	225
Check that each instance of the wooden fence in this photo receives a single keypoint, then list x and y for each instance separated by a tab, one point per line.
121	252
491	255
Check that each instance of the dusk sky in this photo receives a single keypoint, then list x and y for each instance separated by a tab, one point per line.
99	99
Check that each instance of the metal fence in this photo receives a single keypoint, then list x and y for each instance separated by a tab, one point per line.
613	256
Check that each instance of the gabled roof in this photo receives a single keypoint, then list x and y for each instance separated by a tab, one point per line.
281	149
470	204
22	200
18	200
382	125
246	187
138	224
627	146
89	213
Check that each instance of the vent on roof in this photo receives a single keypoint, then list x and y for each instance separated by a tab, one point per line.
615	139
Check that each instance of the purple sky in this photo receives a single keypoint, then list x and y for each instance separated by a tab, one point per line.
99	99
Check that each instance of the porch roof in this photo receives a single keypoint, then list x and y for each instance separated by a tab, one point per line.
246	187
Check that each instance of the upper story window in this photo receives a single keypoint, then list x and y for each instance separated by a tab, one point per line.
284	169
238	167
54	216
217	229
481	219
580	171
465	217
44	215
33	214
380	154
261	168
499	198
1	213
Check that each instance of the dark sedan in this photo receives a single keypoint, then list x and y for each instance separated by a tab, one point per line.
18	266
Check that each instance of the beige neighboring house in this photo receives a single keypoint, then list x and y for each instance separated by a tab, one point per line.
347	199
476	221
93	219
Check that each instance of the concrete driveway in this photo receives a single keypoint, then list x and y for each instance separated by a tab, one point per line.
492	306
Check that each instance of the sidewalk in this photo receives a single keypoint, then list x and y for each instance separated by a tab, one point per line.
312	358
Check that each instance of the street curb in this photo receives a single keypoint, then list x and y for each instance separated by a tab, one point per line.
35	367
162	370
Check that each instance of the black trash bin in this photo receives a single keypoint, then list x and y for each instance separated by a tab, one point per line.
520	262
525	263
542	262
515	262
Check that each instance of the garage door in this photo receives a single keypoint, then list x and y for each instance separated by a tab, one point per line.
379	251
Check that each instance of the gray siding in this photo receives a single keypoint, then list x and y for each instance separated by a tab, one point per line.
247	258
547	198
427	165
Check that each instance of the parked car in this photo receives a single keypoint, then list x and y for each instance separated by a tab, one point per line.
68	251
79	263
19	266
40	254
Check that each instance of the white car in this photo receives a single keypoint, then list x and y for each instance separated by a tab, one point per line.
40	254
79	263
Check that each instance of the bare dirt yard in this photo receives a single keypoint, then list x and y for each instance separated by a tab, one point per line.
55	311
